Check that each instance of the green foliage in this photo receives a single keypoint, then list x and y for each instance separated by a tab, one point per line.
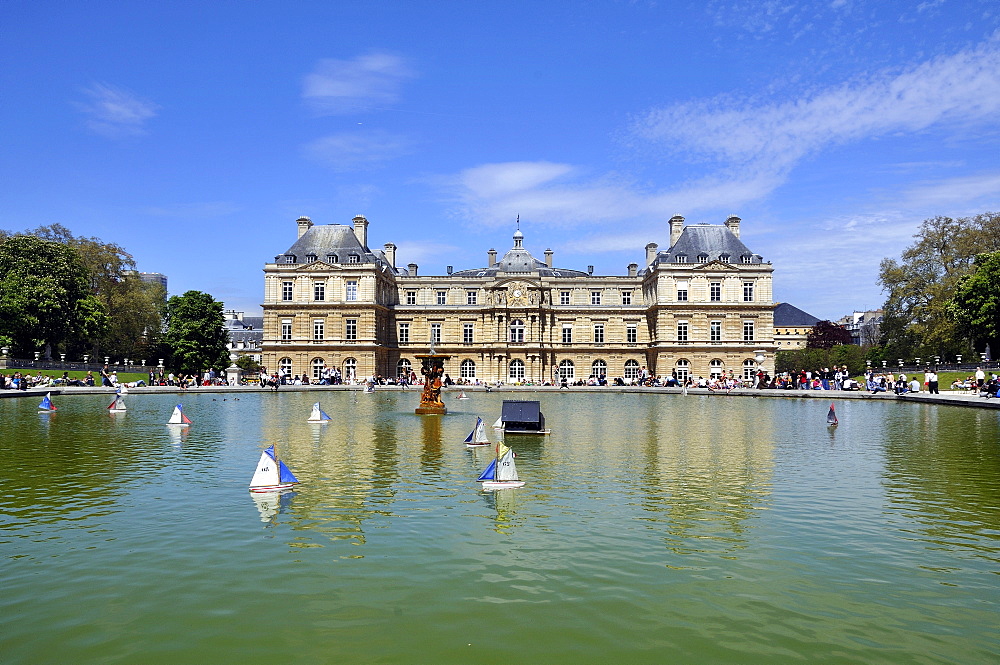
852	356
195	333
248	364
917	319
976	302
44	299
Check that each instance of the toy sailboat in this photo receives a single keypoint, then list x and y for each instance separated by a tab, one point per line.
370	387
499	423
178	418
462	395
831	417
477	437
318	415
271	474
118	405
46	406
502	472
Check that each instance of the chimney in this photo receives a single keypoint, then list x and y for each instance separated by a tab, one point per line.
361	230
413	269
733	224
651	253
548	257
304	224
633	268
590	270
449	269
390	254
676	227
493	258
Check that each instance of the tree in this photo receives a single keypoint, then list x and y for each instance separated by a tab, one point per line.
247	364
976	303
195	334
920	286
44	299
826	335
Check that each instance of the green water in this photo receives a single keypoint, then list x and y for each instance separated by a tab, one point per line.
652	529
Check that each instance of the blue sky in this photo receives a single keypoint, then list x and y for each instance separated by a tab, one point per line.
194	134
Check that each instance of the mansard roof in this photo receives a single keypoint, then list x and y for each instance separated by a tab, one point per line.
700	243
331	243
790	316
519	260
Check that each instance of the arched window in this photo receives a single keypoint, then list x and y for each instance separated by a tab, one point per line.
350	369
567	370
516	331
599	368
515	371
715	369
285	366
749	368
631	370
683	370
403	368
318	365
467	370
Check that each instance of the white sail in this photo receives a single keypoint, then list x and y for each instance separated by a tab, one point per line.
481	433
266	474
499	423
318	415
178	417
506	469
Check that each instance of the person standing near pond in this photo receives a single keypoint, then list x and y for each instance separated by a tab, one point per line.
980	377
931	379
105	377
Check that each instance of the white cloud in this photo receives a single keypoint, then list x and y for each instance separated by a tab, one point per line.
360	84
964	87
962	190
349	150
115	112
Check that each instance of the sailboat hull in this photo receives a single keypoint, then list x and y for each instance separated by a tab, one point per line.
501	484
273	488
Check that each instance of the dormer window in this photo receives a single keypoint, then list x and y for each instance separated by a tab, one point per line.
310	258
703	258
747	258
331	258
724	258
353	258
681	258
289	258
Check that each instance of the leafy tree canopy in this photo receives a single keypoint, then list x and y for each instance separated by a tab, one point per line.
195	334
826	335
976	302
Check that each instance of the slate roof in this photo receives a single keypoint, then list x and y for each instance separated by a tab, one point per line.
790	316
713	241
334	244
518	259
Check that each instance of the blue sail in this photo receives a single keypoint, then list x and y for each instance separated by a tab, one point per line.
472	434
46	404
285	475
491	471
323	415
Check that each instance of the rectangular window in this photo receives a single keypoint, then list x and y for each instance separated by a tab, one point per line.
715	331
748	331
564	297
286	290
467	333
631	333
682	291
353	258
319	328
411	297
436	333
286	329
747	291
626	297
404	333
567	333
715	291
471	297
682	331
598	333
350	290
319	290
350	328
595	297
442	297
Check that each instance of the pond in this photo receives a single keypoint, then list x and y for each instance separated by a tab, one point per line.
652	528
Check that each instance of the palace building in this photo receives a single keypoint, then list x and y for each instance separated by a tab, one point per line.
701	307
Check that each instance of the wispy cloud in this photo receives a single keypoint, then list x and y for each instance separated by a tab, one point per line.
961	190
352	150
360	84
425	252
960	88
115	112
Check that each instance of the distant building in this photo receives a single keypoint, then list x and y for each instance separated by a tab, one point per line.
863	326
699	308
154	278
246	334
792	326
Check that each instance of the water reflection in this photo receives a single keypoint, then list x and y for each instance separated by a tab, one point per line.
272	504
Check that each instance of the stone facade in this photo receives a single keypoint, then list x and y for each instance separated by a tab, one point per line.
701	307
